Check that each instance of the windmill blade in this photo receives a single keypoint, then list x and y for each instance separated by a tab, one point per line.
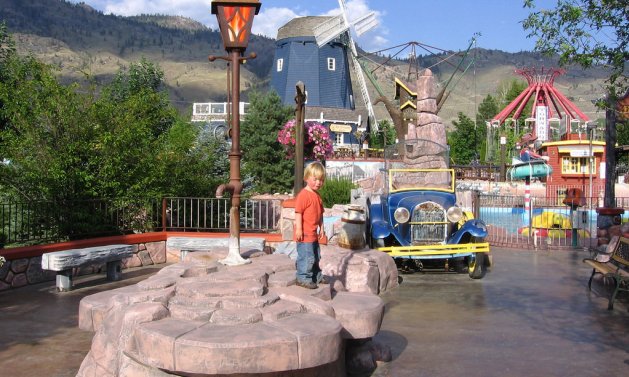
330	29
365	23
358	70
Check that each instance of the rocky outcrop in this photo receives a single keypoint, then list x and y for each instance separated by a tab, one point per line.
201	318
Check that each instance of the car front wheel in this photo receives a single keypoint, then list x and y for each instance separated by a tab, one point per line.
477	265
377	243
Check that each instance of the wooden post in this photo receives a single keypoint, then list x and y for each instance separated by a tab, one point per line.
300	101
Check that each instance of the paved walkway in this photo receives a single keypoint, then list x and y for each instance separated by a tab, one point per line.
531	316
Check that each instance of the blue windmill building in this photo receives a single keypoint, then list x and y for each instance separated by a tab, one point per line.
320	52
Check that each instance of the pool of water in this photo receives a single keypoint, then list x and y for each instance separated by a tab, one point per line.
513	219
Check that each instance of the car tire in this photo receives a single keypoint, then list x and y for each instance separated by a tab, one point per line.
477	265
377	242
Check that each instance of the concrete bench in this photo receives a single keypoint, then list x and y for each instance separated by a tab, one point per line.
190	244
64	261
616	267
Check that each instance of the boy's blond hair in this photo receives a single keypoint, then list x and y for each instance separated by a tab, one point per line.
315	169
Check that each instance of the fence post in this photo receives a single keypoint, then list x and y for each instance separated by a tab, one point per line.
163	214
476	203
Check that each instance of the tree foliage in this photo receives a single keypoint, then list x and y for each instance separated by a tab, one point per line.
585	32
465	140
384	136
264	159
59	144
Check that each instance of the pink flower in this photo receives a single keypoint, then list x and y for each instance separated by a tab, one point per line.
317	142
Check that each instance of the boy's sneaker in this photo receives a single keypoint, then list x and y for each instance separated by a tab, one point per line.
307	284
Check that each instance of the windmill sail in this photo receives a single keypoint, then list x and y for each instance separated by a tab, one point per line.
338	26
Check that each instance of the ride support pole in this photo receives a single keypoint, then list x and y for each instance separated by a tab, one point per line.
527	201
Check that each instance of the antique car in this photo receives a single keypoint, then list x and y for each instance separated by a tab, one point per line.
416	219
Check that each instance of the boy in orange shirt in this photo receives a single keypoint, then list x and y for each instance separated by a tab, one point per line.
309	219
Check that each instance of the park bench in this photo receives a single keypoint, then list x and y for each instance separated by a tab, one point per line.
617	267
64	261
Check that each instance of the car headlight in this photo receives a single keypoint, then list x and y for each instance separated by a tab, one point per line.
454	214
481	225
401	215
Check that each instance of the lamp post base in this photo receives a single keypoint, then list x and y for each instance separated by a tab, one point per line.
233	257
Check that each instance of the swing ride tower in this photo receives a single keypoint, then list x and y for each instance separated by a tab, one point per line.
550	106
566	134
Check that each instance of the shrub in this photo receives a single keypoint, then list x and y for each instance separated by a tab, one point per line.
336	191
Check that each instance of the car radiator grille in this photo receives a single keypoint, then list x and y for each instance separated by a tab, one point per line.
428	224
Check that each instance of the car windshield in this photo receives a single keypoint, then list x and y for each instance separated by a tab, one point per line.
418	164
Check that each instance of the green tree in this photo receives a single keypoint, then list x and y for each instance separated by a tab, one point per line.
264	161
384	136
464	140
487	109
7	44
190	163
42	133
60	145
585	32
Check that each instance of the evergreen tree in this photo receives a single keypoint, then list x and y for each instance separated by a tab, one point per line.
486	111
264	160
384	136
464	141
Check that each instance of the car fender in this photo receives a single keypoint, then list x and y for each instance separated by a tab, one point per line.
378	224
475	228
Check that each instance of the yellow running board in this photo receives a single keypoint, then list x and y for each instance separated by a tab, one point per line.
400	251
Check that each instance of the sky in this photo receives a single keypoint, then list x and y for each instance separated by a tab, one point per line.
444	24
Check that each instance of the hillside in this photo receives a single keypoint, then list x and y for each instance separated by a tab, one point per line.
79	40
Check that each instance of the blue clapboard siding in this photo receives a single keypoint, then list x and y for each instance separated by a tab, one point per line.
304	61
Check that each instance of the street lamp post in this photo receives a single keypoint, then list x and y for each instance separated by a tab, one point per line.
235	18
590	130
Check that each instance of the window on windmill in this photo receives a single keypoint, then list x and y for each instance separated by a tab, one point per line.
331	64
280	64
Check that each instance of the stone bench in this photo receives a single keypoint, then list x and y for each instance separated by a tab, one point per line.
64	261
189	244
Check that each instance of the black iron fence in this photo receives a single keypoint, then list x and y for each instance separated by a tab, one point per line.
29	223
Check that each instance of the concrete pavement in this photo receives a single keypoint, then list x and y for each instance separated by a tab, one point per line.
532	315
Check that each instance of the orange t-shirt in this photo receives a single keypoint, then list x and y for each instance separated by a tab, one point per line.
310	205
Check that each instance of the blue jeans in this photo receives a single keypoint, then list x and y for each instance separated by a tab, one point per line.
308	256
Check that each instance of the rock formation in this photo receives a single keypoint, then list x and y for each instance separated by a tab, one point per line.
201	318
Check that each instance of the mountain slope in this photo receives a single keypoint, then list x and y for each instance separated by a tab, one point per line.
80	40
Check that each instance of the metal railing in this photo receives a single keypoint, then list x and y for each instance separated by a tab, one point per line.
546	225
212	214
29	223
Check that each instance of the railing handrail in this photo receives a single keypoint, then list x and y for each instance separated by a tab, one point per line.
36	222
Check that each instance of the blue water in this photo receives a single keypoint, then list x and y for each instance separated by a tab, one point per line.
512	219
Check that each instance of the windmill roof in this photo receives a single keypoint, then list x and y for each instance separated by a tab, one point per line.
300	27
336	114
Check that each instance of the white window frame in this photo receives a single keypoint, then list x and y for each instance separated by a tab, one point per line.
280	64
331	64
338	138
